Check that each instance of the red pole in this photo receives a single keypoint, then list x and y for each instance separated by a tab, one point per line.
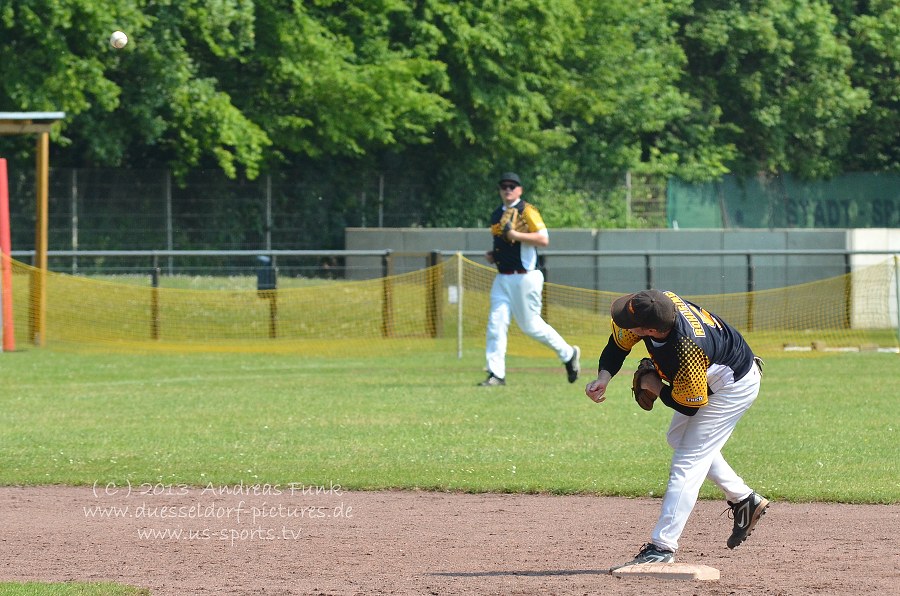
9	337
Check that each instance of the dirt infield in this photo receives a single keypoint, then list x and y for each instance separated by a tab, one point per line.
323	540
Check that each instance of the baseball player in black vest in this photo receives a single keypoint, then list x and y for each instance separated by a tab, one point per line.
706	372
518	231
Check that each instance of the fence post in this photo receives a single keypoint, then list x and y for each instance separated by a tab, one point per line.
387	295
268	211
848	293
459	305
434	308
542	265
37	319
266	287
380	200
6	305
170	226
649	270
627	197
751	285
154	302
74	190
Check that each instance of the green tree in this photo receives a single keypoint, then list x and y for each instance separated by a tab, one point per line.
144	104
569	93
874	37
623	102
780	76
329	79
504	61
569	98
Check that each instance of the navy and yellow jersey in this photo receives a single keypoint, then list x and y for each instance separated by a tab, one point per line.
516	256
701	355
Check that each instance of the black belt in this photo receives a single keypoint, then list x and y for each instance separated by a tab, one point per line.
514	272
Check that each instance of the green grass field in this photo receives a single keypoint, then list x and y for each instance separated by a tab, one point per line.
824	428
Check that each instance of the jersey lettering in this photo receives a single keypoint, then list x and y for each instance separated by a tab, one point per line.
704	316
688	315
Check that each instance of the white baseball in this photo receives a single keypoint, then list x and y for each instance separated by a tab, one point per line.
118	40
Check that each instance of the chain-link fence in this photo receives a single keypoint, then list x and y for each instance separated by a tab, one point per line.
94	209
119	209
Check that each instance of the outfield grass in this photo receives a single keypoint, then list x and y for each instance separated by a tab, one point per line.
824	428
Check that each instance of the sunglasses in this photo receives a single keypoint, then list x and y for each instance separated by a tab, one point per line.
508	186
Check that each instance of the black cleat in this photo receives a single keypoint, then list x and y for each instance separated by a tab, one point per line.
650	553
746	514
573	366
492	381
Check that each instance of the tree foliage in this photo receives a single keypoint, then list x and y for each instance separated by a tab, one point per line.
781	77
874	37
451	92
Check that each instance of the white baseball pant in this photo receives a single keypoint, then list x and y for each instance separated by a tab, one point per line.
698	441
519	295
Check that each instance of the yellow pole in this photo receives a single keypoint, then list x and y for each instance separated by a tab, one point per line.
38	313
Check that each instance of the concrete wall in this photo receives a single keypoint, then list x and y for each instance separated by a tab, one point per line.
699	274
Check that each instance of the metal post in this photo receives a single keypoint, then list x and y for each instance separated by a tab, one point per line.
362	210
459	305
434	305
649	271
381	200
273	314
74	219
751	285
848	293
627	197
542	265
387	295
170	242
38	313
268	211
154	302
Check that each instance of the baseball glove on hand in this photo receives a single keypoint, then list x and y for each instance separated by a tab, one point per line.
511	221
644	397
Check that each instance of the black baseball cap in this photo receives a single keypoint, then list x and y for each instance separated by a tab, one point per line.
651	309
510	177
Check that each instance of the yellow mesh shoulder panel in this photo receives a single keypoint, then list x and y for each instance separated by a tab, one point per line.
624	338
689	387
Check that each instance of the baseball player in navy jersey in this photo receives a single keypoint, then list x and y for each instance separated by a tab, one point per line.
709	375
518	231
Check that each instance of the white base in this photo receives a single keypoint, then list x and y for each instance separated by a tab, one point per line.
668	571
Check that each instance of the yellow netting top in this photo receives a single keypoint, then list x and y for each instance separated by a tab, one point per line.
426	309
